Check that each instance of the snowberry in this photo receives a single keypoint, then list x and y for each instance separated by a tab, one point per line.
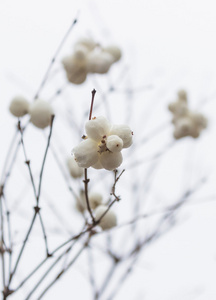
80	52
98	165
19	106
89	43
97	128
114	143
199	120
99	62
183	127
124	132
111	160
103	145
86	153
178	108
186	123
40	113
95	199
114	51
108	221
75	67
75	170
182	95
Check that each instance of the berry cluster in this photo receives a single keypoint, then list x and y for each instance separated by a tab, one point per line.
102	146
40	111
186	122
89	57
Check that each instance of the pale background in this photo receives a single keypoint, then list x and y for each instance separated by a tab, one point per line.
166	44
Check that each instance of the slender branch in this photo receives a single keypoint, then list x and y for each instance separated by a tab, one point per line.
2	248
92	272
74	238
49	270
115	182
64	175
92	103
86	181
62	272
107	279
27	161
54	59
44	233
44	159
23	247
123	278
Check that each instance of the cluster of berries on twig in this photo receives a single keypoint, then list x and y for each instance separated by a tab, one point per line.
186	122
101	148
89	57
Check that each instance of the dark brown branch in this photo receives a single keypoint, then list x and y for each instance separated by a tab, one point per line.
92	103
86	181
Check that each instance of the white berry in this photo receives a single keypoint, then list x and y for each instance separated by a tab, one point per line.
86	153
40	113
114	143
97	128
74	169
114	51
89	43
124	132
99	62
108	221
95	199
19	106
110	160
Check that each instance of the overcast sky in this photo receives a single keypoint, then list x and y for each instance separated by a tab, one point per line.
169	44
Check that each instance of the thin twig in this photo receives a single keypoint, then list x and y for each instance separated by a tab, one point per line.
27	161
62	272
49	270
54	59
22	248
86	181
92	103
44	159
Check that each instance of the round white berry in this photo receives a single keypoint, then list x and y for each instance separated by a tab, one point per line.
89	43
19	106
97	166
108	221
80	52
114	51
199	120
111	160
124	132
99	62
86	153
114	143
95	199
184	125
178	108
97	128
76	68
40	113
74	169
182	95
